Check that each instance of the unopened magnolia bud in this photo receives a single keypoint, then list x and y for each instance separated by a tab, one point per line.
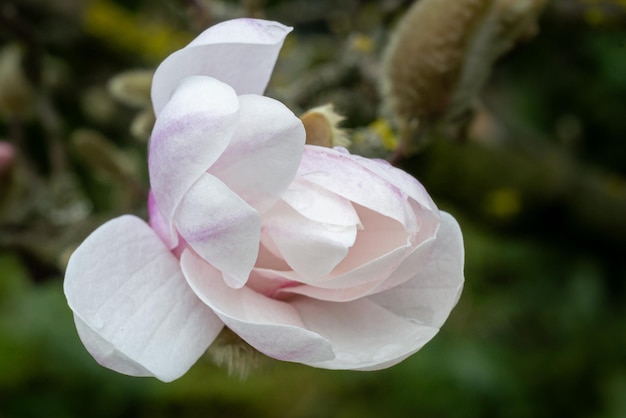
101	155
322	127
142	124
440	57
98	105
132	87
17	97
230	351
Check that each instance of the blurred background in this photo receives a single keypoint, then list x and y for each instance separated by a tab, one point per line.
533	167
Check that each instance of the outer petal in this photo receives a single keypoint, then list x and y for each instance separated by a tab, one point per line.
431	294
221	227
272	327
264	153
133	309
405	182
340	173
189	136
364	336
240	52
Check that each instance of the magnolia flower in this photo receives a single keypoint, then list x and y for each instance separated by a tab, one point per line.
309	254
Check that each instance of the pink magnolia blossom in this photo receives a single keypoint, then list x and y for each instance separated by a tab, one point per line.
309	254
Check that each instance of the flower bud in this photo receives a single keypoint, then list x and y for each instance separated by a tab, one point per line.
16	92
101	155
441	56
230	351
142	125
132	87
322	127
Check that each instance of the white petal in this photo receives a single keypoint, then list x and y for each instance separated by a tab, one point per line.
364	336
341	174
264	153
221	227
380	247
240	52
320	205
310	248
191	133
364	277
160	225
134	311
402	180
430	295
407	268
272	327
378	237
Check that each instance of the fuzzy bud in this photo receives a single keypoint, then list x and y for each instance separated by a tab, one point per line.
142	124
230	351
132	87
17	96
101	155
440	57
322	127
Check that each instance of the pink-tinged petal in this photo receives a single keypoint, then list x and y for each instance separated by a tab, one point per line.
133	309
270	259
266	283
311	249
240	52
423	244
410	265
272	327
373	271
378	237
340	173
381	247
191	133
402	180
320	205
160	225
407	269
364	336
264	153
430	295
221	227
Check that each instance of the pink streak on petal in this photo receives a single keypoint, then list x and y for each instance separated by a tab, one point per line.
264	153
192	132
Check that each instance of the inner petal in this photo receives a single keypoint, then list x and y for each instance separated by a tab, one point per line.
311	249
320	205
379	236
